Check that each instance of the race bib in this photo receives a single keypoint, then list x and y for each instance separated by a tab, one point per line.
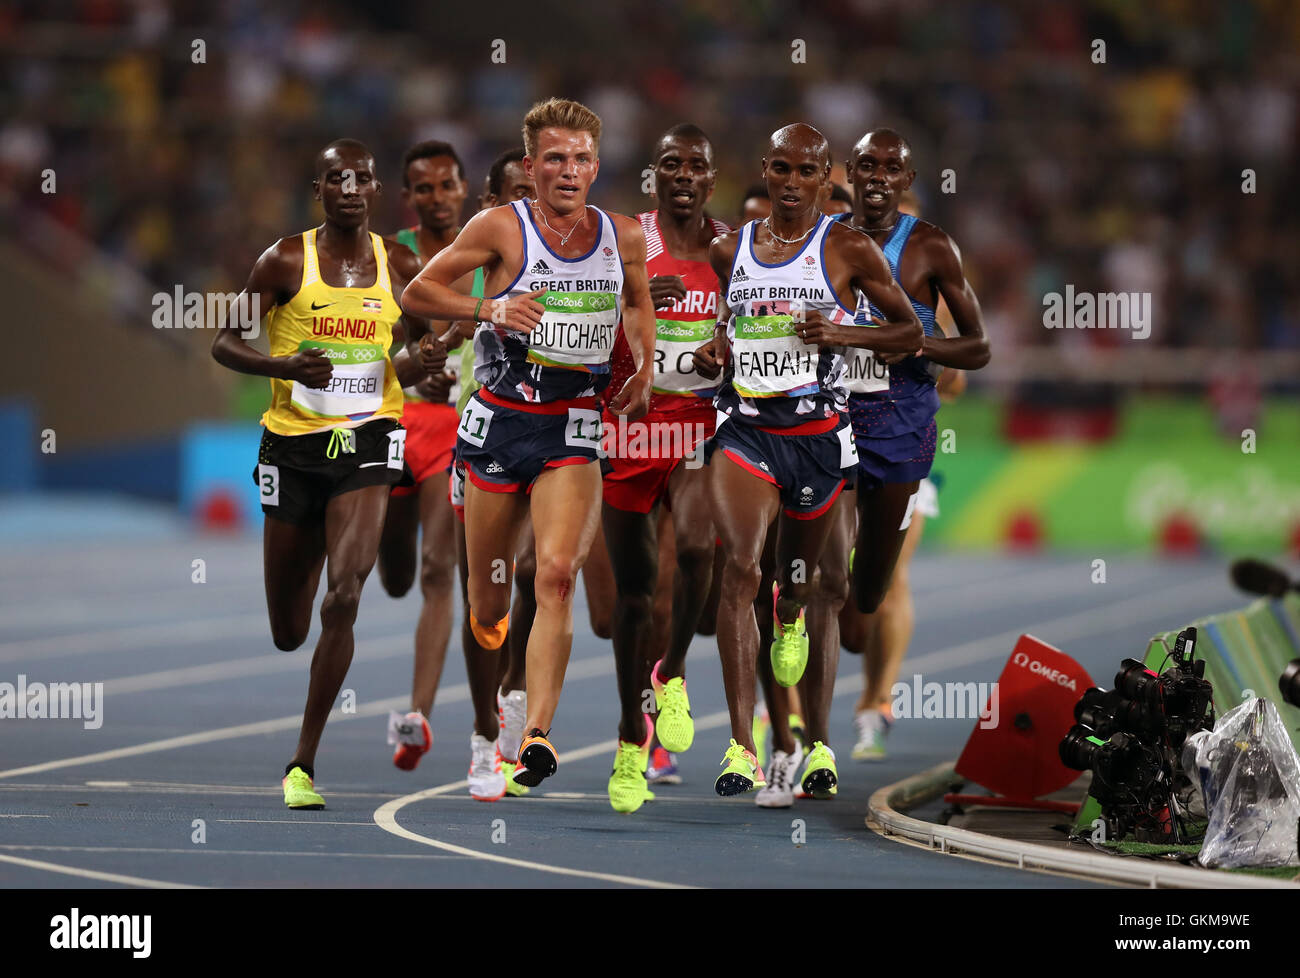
456	487
848	447
863	373
583	429
475	421
577	329
769	357
268	483
396	448
675	346
356	385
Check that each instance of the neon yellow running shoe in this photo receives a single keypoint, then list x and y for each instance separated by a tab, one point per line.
627	784
513	788
761	726
742	773
676	728
789	646
299	792
820	779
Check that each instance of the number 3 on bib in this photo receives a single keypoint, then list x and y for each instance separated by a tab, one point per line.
583	429
475	421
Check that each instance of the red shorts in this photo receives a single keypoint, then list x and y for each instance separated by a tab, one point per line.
644	454
430	438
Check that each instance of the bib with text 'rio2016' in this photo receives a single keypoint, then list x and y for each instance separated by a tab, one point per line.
566	356
353	327
775	379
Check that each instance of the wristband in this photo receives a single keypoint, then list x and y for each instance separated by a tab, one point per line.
477	308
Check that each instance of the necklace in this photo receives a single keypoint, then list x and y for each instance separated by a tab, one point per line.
564	238
789	241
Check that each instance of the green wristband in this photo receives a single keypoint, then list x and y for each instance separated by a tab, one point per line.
477	308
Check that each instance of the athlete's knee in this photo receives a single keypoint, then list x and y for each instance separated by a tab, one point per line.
396	581
869	595
636	608
555	578
832	585
740	580
341	602
437	570
289	635
694	562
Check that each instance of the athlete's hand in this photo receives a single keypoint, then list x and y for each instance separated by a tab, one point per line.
634	399
310	368
708	361
817	330
521	313
433	354
891	358
436	388
665	289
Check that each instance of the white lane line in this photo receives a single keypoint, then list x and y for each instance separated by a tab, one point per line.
588	668
90	874
204	851
3	815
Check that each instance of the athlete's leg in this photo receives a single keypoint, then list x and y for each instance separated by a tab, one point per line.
481	665
397	544
708	624
829	595
354	522
522	614
694	536
566	514
882	513
666	563
743	506
776	696
292	558
598	583
437	587
492	523
892	627
634	556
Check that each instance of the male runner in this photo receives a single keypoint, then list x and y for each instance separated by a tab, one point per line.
559	272
893	411
333	445
433	184
641	481
784	451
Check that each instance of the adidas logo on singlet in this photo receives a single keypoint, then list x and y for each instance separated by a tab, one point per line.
740	275
540	268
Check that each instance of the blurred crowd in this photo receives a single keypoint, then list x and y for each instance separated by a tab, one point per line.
182	134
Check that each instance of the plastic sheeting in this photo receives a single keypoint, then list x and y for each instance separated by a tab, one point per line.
1250	777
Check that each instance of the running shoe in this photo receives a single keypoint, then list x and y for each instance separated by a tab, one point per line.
627	781
742	771
512	709
513	788
873	727
537	760
486	782
820	779
676	728
300	792
789	646
779	792
662	769
760	729
412	736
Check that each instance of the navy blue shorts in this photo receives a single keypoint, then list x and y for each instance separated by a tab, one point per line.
899	456
505	449
810	470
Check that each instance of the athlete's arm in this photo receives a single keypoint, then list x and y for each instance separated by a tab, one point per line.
970	349
422	343
869	272
274	280
638	320
712	356
431	295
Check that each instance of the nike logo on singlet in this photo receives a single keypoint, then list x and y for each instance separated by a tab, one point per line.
321	306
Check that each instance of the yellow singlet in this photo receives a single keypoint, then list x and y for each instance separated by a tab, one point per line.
354	326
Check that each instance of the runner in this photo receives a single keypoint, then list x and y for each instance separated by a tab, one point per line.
893	411
784	451
559	272
333	444
433	184
647	477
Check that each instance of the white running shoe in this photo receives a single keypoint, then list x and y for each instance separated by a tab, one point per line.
486	782
873	727
513	711
782	774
